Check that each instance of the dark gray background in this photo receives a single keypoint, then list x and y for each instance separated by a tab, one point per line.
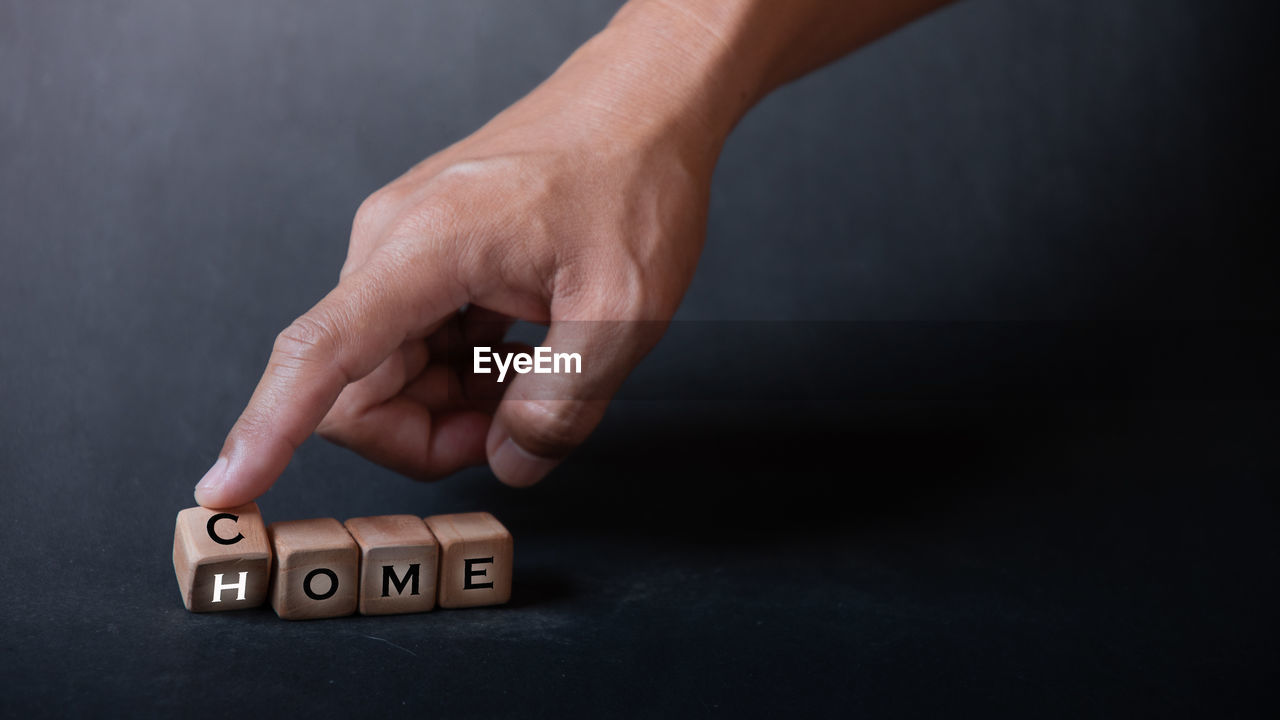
966	410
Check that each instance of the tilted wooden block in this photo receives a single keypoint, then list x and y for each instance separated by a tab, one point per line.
222	558
317	569
397	564
476	556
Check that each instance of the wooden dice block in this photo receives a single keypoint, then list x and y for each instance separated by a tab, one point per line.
397	564
317	569
476	556
222	558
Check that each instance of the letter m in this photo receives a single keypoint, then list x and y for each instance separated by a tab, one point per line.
389	578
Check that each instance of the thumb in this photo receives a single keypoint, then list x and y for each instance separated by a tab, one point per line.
340	340
544	416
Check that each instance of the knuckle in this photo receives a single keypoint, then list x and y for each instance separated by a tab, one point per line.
308	338
374	210
642	301
434	217
549	428
618	285
648	295
426	237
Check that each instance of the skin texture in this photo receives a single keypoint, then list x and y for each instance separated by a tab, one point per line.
582	206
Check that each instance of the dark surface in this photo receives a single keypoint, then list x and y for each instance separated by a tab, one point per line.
1020	456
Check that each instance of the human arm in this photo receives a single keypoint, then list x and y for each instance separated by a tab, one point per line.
583	205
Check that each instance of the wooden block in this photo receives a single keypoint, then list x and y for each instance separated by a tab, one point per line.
397	564
317	569
222	558
476	557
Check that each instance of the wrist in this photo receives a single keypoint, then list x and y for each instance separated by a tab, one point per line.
665	74
739	50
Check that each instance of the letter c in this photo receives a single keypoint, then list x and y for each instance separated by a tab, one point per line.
213	533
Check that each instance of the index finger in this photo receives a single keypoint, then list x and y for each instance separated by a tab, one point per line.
340	340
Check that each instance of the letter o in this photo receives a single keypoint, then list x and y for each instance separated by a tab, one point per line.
333	584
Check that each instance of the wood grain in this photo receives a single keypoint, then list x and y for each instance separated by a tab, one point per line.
398	559
311	557
476	557
222	558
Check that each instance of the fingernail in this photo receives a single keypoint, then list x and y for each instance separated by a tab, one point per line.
211	480
518	467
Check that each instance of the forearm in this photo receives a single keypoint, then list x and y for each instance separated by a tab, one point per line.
776	41
708	62
587	199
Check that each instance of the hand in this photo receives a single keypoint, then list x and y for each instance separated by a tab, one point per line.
583	206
